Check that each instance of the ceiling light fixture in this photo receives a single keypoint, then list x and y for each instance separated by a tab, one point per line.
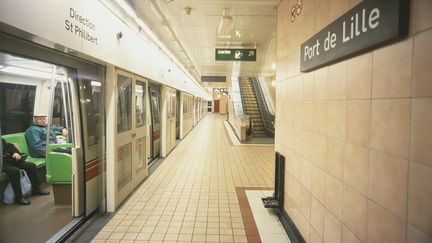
143	26
226	24
188	10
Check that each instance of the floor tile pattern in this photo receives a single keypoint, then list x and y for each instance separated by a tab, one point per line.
192	196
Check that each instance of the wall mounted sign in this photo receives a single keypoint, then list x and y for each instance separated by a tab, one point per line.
368	25
81	26
231	54
213	78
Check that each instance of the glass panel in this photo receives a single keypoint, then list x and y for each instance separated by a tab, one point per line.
91	95
124	165
124	106
173	103
140	103
155	107
140	152
16	106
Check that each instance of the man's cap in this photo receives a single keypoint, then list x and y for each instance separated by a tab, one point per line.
39	114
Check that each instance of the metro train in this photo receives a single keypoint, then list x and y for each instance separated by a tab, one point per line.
120	117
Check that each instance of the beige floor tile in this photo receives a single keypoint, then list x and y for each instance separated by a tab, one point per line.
192	194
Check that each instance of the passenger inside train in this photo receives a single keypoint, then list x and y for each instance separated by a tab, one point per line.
36	136
13	162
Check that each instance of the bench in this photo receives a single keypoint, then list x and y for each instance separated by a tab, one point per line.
19	140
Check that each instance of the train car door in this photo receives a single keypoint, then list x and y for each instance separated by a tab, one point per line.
155	105
139	136
64	165
178	114
131	164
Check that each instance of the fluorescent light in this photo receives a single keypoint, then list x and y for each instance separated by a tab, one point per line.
226	25
26	72
1	66
274	66
95	83
127	8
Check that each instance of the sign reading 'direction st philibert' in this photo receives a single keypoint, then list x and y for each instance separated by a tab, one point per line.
371	23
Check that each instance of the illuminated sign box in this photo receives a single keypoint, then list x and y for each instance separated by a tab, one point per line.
232	54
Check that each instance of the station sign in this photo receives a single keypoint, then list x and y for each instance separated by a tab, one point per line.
233	54
368	25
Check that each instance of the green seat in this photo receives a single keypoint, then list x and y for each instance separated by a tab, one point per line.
19	140
58	165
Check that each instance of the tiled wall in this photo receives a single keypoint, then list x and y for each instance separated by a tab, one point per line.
357	135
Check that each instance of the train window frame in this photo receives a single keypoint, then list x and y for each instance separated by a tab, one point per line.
124	101
27	111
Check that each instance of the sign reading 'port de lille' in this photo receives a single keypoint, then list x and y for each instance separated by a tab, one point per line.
368	25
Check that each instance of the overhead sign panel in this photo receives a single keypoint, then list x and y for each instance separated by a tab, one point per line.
232	54
213	78
368	25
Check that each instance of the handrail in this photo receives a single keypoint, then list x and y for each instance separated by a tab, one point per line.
267	117
237	118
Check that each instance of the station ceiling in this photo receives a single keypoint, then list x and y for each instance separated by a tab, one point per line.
192	29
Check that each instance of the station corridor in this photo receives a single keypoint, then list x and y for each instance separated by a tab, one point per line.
197	193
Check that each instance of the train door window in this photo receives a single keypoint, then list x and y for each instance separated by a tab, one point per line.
92	107
155	107
124	107
140	110
173	103
155	94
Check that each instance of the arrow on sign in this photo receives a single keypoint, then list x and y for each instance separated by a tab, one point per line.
251	53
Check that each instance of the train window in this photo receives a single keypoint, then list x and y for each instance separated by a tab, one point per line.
173	104
16	106
168	107
124	109
140	103
91	94
155	107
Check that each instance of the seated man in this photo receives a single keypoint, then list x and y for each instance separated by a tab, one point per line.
36	136
12	163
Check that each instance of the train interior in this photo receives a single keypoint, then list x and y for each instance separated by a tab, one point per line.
70	96
25	90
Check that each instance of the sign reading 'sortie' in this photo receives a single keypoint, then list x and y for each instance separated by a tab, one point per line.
368	25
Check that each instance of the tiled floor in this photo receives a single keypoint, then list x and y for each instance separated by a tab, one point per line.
192	196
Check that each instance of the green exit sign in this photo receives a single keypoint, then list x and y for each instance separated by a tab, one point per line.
230	54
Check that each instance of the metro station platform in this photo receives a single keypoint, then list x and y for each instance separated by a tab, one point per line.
206	190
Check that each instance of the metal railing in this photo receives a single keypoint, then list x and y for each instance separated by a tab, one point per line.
267	117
